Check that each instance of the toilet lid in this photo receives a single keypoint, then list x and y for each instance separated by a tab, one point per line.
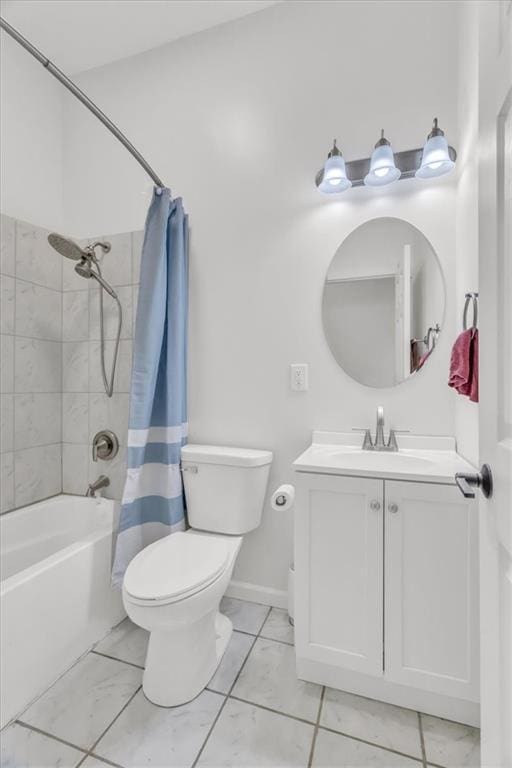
176	565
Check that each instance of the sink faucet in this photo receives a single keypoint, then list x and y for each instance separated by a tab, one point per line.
379	444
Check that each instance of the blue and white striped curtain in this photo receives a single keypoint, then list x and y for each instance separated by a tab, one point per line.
153	501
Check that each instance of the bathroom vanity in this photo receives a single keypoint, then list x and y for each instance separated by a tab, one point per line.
386	573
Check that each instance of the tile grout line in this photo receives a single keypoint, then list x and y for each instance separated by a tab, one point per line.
116	658
315	732
227	696
371	743
422	741
109	726
29	727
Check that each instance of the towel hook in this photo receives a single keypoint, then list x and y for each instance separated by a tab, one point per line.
473	299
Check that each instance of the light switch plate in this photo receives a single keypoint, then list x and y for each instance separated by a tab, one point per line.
299	377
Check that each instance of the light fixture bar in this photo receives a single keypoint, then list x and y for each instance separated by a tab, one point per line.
407	162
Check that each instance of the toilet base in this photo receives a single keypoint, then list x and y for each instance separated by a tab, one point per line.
180	663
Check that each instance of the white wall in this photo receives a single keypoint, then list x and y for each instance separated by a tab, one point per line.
32	139
238	119
466	413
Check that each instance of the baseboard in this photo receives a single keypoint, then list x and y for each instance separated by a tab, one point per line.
243	590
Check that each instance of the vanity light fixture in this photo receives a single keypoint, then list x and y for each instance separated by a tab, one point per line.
436	159
334	176
383	170
385	166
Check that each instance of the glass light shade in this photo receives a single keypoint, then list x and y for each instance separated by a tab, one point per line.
435	160
335	176
382	167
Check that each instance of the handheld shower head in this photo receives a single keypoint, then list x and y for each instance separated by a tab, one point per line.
84	269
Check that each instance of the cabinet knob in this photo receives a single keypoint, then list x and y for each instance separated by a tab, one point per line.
375	505
393	508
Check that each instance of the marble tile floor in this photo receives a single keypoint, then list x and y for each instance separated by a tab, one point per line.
253	714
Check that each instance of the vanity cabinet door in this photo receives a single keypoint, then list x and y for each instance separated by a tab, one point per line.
339	571
431	588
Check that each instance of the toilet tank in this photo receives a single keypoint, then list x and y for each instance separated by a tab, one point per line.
224	487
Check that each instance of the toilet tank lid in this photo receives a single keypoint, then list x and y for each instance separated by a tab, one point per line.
220	454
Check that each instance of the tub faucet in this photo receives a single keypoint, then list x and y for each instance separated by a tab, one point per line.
101	482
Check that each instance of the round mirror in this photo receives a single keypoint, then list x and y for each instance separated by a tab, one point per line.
383	302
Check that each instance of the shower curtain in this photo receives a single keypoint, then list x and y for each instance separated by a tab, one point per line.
153	501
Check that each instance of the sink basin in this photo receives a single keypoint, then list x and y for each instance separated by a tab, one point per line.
432	459
382	460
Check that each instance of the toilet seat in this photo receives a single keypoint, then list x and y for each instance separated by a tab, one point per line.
175	567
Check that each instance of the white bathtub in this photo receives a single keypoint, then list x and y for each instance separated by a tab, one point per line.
55	594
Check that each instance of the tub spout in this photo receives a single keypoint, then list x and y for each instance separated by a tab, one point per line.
101	482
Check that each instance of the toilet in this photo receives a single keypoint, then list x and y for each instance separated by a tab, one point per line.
174	586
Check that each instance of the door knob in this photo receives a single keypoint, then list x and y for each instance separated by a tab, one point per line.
467	482
393	508
375	505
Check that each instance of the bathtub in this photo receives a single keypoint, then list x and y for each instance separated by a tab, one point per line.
55	594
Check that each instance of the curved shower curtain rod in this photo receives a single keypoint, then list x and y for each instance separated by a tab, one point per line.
81	96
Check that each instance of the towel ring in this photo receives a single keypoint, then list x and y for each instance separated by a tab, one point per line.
473	299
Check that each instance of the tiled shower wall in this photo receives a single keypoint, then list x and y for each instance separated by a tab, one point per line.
85	407
52	396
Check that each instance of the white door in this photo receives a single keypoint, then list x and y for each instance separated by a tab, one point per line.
495	286
431	589
339	571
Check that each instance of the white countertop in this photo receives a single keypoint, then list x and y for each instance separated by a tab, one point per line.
419	458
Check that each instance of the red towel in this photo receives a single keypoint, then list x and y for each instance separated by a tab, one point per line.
464	364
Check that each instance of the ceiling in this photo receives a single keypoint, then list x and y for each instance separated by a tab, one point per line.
81	34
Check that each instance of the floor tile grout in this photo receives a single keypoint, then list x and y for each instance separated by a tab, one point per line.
90	750
29	727
315	732
116	658
422	741
226	697
370	743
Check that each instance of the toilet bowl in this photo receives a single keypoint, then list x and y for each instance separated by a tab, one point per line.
174	586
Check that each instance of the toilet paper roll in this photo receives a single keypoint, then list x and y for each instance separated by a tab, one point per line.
283	498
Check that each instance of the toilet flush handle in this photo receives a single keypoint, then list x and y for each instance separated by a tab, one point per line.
192	469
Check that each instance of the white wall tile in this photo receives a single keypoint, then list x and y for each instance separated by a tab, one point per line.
7	294
122	376
116	266
137	242
38	311
110	313
6	363
6	482
75	465
37	473
7	241
75	366
75	315
38	365
38	419
75	417
6	423
36	260
109	413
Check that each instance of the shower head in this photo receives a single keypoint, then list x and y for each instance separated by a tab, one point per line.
85	269
66	247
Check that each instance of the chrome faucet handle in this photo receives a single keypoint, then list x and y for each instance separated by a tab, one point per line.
367	440
392	444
